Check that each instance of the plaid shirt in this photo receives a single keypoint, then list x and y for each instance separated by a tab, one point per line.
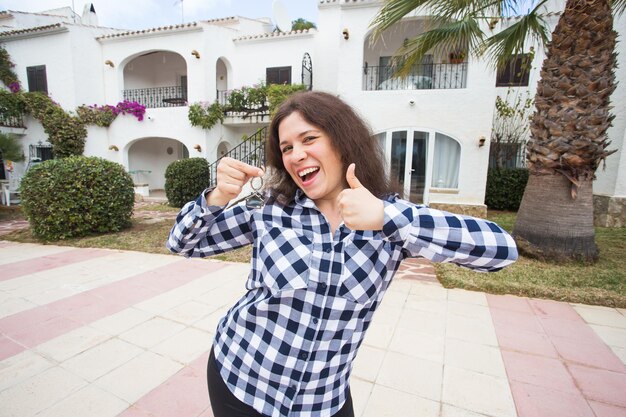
286	347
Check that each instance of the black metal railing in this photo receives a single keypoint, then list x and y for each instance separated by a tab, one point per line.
422	77
11	120
245	110
171	96
251	151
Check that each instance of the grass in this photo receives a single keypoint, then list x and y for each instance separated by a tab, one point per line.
144	235
603	283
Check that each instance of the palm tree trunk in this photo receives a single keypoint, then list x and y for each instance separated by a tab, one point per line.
568	134
550	224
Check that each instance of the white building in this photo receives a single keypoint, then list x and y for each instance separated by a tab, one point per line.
431	125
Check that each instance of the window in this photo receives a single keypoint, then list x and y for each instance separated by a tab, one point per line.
446	162
278	75
37	80
515	73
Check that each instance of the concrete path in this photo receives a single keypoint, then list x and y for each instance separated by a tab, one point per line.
104	333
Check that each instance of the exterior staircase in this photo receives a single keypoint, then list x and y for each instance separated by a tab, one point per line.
251	151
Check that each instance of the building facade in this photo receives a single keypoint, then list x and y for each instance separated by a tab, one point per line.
435	125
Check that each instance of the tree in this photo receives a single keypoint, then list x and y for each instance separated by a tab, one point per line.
302	24
10	148
568	130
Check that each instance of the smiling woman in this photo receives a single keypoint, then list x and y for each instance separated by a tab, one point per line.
326	245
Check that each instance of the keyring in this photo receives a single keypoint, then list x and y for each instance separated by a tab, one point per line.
255	200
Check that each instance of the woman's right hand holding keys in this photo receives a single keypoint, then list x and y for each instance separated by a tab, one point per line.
232	175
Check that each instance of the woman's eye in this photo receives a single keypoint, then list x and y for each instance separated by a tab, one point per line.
309	138
286	149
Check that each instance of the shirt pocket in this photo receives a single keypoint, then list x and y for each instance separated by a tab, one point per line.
363	270
283	259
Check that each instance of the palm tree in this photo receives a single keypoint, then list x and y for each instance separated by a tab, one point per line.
568	129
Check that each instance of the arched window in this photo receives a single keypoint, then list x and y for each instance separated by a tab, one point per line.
446	162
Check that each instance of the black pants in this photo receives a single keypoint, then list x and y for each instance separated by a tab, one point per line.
225	404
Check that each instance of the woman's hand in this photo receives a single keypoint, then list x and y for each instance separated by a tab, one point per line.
359	208
232	175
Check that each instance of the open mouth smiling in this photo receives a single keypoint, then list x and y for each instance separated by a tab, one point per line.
308	174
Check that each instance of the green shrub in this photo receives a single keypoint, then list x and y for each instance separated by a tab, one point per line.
505	188
185	180
277	93
77	196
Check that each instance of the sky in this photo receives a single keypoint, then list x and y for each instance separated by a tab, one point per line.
142	14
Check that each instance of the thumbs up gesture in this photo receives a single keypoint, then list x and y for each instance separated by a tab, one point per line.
359	208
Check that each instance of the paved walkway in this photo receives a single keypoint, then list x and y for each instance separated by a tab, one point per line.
104	333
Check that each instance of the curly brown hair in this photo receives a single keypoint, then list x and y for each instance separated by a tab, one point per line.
349	135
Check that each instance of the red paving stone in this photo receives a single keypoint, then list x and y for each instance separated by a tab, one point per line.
534	401
556	364
48	262
600	385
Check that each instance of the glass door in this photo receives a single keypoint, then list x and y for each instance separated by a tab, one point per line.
418	167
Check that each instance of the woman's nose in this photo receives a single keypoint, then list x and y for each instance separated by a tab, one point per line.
298	153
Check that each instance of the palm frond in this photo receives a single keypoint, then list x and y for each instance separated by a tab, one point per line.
511	41
618	7
462	35
392	12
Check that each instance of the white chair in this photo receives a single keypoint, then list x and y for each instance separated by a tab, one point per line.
12	189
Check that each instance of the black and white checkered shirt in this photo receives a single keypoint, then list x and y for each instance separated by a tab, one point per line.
286	347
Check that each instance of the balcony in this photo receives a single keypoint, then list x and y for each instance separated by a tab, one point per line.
156	97
244	112
12	120
422	77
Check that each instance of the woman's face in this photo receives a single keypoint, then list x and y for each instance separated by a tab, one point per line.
310	159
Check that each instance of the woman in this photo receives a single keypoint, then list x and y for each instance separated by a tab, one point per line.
325	248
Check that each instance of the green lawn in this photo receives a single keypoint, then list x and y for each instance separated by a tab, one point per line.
603	283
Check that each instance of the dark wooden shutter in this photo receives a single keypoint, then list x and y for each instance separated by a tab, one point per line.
37	80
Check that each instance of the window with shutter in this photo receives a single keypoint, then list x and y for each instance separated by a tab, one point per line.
278	75
37	80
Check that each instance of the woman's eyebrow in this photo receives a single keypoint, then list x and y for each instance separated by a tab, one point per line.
306	132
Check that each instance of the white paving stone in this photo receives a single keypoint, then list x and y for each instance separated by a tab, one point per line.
185	346
151	332
90	401
474	357
22	366
386	402
411	375
361	391
468	297
122	321
602	317
70	344
139	376
35	394
102	359
418	344
27	251
471	330
368	363
478	392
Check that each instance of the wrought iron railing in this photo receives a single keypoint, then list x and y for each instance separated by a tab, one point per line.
251	151
171	96
246	109
422	77
11	120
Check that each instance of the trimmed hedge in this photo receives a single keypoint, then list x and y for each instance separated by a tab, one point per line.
77	196
505	188
185	180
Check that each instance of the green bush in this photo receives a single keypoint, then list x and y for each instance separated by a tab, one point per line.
77	196
505	188
185	180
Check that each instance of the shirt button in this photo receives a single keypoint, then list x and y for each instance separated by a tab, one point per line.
328	250
304	355
323	285
315	320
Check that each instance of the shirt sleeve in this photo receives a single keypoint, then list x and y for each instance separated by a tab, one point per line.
202	230
445	237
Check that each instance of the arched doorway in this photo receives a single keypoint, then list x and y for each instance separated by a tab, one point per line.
148	158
